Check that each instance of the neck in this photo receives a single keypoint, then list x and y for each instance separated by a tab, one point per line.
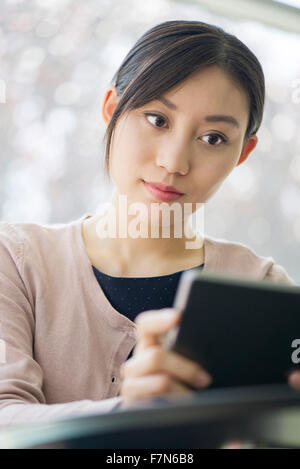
138	243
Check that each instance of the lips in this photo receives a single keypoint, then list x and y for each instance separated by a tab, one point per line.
164	188
162	194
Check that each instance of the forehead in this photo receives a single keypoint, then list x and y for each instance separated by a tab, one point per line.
210	89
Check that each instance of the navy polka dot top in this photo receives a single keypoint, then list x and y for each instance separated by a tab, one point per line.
132	295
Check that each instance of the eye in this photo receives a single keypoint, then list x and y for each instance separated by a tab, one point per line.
214	137
159	121
156	118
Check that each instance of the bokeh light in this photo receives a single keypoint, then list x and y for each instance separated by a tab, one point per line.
57	58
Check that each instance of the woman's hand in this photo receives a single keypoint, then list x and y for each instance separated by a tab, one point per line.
153	371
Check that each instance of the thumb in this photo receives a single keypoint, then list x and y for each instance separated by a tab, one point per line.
152	324
157	321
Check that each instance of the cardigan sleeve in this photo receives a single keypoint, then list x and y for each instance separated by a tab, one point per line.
277	274
21	377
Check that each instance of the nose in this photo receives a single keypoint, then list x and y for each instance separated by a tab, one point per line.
174	157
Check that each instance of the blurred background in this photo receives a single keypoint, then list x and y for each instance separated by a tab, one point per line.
57	58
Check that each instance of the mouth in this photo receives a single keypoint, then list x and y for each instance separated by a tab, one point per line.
162	194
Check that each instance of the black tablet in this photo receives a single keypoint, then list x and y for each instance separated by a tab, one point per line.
242	331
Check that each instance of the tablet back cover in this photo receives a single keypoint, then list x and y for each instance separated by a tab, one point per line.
240	330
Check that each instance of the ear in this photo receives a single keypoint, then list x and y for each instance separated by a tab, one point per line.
110	102
249	145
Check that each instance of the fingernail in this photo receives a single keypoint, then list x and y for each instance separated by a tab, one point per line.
203	379
170	313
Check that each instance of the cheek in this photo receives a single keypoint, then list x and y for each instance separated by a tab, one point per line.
128	155
208	177
216	170
132	145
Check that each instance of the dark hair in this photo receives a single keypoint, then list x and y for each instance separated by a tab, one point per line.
170	52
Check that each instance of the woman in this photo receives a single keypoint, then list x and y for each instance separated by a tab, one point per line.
183	111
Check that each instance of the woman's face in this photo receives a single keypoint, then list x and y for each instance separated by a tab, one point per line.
181	147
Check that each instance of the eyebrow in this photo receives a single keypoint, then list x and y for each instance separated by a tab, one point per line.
211	118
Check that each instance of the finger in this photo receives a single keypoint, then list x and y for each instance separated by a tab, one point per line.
146	342
294	380
156	360
151	325
158	321
150	386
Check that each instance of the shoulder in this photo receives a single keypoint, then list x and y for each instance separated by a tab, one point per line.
18	233
11	246
34	243
237	258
